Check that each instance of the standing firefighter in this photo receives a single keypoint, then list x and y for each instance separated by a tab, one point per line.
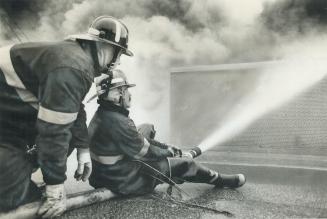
129	161
42	86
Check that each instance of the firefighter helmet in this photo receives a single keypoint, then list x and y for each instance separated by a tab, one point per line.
119	79
107	29
106	82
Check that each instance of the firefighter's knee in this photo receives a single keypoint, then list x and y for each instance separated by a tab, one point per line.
15	189
180	166
147	130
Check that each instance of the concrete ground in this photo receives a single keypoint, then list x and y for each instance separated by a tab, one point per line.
282	190
251	201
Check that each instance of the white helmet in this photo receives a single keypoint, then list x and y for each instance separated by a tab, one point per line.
106	82
119	79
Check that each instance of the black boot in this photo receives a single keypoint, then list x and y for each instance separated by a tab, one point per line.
188	170
229	181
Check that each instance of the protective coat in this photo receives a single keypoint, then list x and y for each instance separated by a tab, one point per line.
42	86
114	140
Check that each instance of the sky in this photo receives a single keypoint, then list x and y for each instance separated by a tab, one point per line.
169	33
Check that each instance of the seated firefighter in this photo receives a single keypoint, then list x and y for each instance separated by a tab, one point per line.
129	161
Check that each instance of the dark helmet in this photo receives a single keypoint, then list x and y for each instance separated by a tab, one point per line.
107	29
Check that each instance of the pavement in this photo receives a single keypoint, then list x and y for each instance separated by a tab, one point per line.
251	201
283	189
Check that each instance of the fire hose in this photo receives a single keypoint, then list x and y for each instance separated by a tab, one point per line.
81	199
194	152
74	201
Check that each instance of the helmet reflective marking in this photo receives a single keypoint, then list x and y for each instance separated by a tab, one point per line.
118	31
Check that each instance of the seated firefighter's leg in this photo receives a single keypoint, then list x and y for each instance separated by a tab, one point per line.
158	171
147	130
190	171
16	186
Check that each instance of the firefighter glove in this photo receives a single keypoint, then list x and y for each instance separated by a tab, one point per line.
175	151
187	154
54	201
98	81
84	167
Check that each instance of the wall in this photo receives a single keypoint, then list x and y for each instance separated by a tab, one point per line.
202	95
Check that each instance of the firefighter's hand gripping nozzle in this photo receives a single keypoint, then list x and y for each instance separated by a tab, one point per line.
193	153
102	84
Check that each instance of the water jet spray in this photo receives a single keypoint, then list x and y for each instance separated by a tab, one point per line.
276	86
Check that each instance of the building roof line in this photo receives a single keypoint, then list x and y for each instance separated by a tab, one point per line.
232	66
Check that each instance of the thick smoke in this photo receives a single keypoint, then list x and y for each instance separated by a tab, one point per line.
169	33
299	17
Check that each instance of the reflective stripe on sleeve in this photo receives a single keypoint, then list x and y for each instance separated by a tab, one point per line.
13	80
144	150
108	160
55	117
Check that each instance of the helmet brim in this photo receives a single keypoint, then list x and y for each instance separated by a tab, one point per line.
125	85
90	37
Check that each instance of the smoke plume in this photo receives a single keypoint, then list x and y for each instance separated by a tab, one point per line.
169	33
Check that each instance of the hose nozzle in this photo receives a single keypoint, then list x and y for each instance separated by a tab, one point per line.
195	152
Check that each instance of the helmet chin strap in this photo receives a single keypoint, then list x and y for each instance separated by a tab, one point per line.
121	98
117	100
115	56
94	54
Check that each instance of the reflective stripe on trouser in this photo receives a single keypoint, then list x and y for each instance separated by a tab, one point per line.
13	80
107	160
16	187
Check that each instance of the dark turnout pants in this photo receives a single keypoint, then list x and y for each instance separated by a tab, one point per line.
185	170
134	177
16	186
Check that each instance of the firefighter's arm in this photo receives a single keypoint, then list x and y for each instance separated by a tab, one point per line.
158	144
135	146
148	132
60	95
80	141
60	98
177	152
80	138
